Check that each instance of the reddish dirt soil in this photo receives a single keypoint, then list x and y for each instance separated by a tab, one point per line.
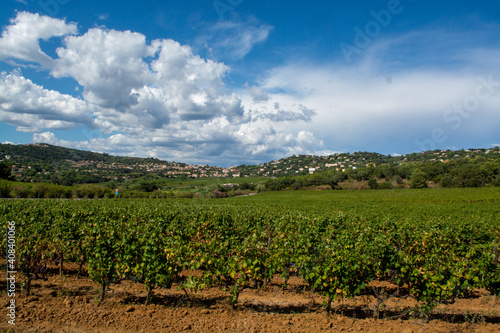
69	304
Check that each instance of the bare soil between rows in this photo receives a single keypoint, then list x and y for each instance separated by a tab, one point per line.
70	304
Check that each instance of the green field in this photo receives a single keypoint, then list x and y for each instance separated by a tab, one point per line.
434	244
428	204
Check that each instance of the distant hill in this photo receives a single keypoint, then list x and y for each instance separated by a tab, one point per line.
310	164
45	153
47	163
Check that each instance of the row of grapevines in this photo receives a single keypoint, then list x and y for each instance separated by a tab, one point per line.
336	254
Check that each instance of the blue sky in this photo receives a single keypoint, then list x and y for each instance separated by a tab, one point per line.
227	82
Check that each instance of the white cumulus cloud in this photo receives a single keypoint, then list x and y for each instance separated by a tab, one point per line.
32	108
20	40
156	98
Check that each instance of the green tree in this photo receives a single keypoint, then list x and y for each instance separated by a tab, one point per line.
470	175
418	179
383	171
5	171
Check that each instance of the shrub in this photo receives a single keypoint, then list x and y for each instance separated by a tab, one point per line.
105	192
4	189
134	194
496	182
236	193
19	191
260	188
218	194
246	186
182	194
372	182
385	185
58	191
159	194
39	190
89	191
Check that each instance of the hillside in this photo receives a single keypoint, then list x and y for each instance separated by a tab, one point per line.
64	166
310	164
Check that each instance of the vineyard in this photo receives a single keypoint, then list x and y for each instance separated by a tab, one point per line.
433	246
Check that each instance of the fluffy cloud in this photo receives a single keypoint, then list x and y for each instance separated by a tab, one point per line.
157	99
20	40
32	108
45	137
108	64
135	83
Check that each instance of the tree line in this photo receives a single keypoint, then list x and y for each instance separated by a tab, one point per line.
463	172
